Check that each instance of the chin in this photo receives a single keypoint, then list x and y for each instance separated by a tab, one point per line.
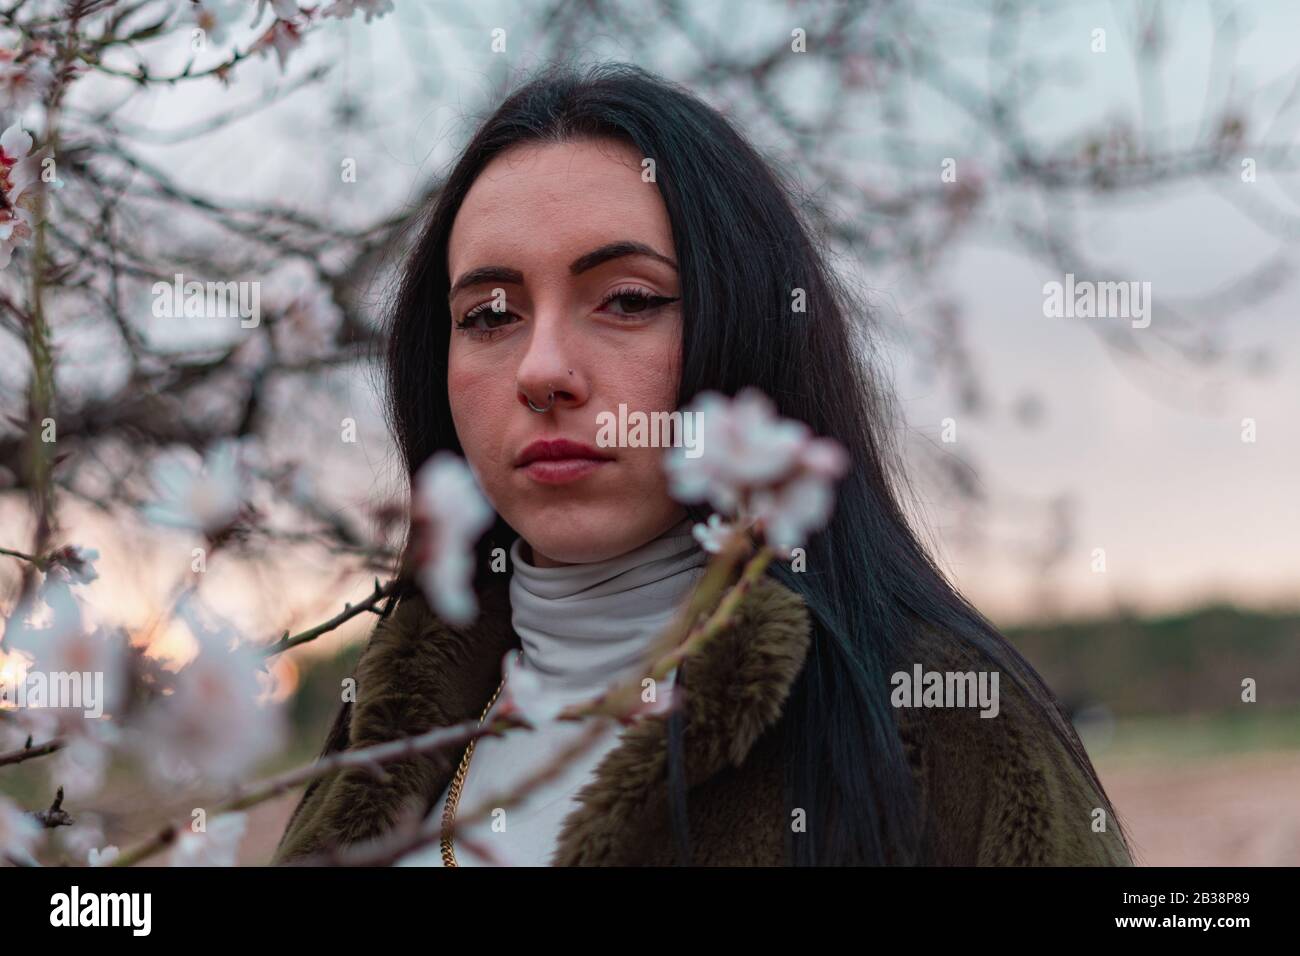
593	534
573	542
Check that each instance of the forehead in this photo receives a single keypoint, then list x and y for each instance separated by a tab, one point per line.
538	201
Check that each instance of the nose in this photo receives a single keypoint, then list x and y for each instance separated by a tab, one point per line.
550	374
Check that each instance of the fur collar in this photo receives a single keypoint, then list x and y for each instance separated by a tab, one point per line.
417	673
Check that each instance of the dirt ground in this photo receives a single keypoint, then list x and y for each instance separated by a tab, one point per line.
1226	811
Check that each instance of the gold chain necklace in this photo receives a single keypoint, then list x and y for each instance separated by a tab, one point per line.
458	782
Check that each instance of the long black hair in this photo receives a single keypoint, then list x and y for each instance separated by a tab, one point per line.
743	250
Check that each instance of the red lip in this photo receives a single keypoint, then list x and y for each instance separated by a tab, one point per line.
560	461
559	449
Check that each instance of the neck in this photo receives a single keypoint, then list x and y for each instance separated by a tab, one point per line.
582	625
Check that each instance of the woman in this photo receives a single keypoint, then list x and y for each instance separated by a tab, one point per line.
608	239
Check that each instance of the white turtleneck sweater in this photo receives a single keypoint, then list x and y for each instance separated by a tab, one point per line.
581	627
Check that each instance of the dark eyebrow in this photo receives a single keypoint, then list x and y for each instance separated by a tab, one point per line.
616	250
606	253
485	274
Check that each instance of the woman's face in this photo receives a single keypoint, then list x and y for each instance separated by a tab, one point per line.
547	233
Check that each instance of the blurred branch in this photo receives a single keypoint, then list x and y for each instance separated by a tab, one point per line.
348	613
30	752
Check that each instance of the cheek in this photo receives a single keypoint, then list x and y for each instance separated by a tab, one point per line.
648	376
649	372
479	395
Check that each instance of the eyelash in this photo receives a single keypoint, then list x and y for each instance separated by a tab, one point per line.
628	292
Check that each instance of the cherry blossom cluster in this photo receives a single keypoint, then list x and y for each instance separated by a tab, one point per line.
25	74
449	513
757	470
210	720
286	31
198	493
20	184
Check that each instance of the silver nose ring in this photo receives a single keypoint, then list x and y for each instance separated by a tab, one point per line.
550	400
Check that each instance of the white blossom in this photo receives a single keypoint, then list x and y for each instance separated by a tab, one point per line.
789	513
213	725
756	467
12	734
41	725
308	323
284	37
19	831
23	81
283	9
102	857
713	536
84	835
77	562
54	614
218	845
198	495
449	514
82	764
215	17
20	181
58	640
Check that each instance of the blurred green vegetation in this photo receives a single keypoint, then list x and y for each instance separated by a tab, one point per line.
1188	663
1186	737
316	703
1169	689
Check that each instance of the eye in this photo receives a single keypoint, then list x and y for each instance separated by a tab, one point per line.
635	302
482	321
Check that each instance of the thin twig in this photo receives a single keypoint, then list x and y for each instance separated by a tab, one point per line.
349	611
28	752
